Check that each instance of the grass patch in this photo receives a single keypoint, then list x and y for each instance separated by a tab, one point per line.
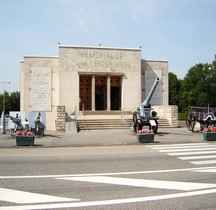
181	116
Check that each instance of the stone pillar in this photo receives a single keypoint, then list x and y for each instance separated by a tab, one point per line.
93	93
122	94
108	93
60	122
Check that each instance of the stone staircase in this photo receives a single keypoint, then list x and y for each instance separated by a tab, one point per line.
101	124
101	120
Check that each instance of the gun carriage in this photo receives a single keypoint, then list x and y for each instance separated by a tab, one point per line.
17	125
38	130
144	116
206	116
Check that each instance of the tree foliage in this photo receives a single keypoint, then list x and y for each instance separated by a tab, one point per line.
12	101
196	89
174	89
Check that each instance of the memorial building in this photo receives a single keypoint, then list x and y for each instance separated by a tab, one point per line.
92	79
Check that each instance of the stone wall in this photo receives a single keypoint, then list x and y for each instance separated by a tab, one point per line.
60	122
150	70
168	112
32	71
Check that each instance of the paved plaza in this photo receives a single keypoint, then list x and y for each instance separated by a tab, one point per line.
109	137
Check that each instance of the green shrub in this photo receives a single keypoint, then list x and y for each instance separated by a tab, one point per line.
181	116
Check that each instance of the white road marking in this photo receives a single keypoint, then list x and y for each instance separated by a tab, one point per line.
177	145
17	196
188	149
196	151
197	157
204	162
213	170
143	183
192	153
109	202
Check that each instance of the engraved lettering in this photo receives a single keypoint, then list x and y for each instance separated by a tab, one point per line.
101	55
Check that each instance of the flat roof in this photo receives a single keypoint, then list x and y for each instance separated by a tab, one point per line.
39	56
98	47
155	60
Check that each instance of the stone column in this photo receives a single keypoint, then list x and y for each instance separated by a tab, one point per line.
122	94
93	93
60	122
108	93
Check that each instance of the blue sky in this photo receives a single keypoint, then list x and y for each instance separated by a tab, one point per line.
180	31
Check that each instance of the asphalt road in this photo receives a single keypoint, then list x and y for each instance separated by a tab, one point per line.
141	176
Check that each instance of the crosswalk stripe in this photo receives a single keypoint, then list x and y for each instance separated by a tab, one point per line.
204	162
191	153
197	157
188	149
143	182
177	145
17	196
208	170
195	151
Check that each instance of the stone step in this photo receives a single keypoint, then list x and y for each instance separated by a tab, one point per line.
86	113
99	124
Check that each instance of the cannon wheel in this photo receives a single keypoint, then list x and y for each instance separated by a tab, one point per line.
136	125
190	121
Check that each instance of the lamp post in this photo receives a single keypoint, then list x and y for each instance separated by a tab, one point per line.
3	115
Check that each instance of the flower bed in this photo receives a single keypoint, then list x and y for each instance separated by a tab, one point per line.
25	138
209	134
24	133
145	136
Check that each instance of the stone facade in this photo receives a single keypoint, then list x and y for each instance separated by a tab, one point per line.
93	78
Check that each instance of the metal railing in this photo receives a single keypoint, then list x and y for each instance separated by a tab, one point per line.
125	117
75	120
84	124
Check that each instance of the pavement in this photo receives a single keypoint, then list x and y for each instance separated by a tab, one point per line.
109	137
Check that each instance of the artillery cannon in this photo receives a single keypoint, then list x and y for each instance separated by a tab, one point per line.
206	116
39	126
144	114
18	124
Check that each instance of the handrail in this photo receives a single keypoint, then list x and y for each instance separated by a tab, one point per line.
83	109
125	117
85	125
75	119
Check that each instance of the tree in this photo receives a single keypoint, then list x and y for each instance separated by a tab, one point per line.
198	86
174	89
12	101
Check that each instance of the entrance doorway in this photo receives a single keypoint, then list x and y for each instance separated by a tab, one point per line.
100	93
85	92
115	98
96	97
99	98
115	93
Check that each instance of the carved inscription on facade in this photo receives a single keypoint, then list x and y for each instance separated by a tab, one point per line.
102	61
41	89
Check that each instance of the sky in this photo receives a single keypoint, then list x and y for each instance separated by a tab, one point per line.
180	31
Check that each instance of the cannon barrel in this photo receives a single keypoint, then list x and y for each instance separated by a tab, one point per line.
146	102
16	121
